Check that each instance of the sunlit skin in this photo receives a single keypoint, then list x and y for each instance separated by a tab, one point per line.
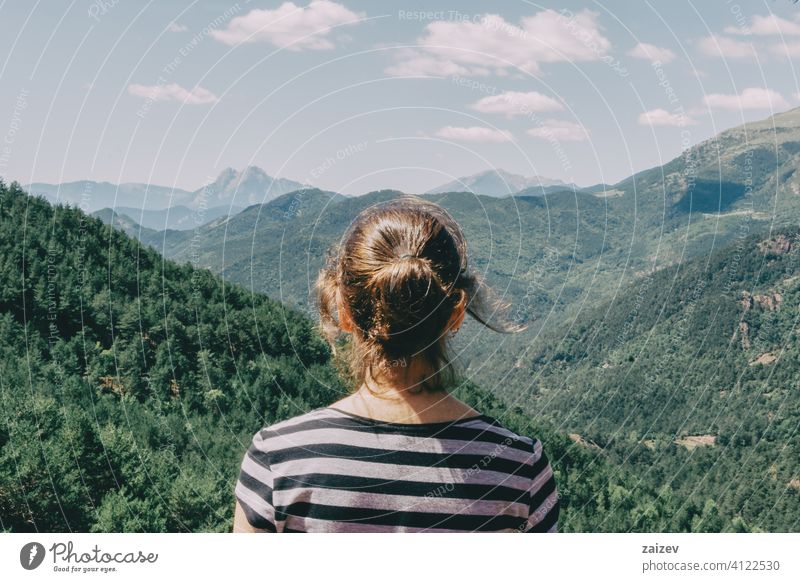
390	397
240	523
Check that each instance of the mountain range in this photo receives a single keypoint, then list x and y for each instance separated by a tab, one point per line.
741	181
175	218
163	207
499	183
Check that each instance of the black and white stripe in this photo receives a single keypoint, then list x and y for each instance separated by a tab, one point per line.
333	471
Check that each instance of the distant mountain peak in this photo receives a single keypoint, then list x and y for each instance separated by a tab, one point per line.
498	183
250	170
226	175
252	185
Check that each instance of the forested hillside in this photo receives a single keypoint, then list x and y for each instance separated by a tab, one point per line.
690	377
131	385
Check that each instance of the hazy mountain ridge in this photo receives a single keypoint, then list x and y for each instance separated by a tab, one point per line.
243	188
125	223
750	168
232	189
692	205
499	183
174	218
93	196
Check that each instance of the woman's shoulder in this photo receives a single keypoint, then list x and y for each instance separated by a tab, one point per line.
328	425
304	421
331	418
494	425
501	434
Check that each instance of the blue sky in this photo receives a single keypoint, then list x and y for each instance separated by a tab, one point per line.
355	96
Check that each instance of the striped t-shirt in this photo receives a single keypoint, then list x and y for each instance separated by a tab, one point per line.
333	471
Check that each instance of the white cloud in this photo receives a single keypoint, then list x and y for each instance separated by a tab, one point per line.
727	48
173	92
751	98
415	63
558	130
474	134
652	53
767	25
663	117
175	27
290	26
490	44
796	96
788	50
513	103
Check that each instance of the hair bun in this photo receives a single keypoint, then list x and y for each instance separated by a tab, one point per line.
412	306
400	273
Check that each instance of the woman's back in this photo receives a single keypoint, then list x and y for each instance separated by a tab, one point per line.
391	297
331	470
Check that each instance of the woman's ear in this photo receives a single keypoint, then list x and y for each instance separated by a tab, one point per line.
345	320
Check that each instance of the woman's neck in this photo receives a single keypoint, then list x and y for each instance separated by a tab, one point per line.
393	399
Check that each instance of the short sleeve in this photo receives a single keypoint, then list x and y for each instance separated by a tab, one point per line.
254	487
544	505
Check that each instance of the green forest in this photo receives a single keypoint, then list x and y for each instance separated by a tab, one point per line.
131	386
690	378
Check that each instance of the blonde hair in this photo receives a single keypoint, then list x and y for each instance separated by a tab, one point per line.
400	271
